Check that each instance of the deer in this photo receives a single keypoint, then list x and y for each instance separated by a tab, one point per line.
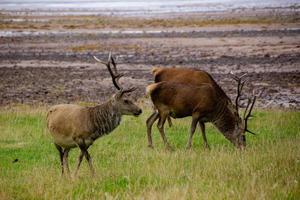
74	126
183	76
204	103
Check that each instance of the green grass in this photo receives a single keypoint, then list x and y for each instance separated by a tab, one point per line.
126	168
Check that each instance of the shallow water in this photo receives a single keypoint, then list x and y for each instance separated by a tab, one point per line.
142	7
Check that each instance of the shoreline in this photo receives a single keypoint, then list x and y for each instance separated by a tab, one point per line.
143	9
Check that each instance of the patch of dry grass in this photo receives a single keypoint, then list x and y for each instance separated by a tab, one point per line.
104	47
102	22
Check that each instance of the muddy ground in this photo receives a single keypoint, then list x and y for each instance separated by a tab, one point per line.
51	67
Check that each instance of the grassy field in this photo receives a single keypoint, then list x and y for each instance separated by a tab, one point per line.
127	169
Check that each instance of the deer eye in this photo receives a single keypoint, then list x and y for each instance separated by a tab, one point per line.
126	101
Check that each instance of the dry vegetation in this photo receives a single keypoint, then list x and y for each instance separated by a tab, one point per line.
101	47
100	22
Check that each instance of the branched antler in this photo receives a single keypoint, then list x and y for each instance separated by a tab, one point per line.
250	103
240	86
114	74
246	117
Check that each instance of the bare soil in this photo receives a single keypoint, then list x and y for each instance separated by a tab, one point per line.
56	66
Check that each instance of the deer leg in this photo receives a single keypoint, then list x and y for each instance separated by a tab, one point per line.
150	121
79	161
170	121
61	153
192	131
84	152
89	159
81	144
202	127
65	160
160	126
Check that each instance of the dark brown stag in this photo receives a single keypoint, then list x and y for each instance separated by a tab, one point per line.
184	76
204	103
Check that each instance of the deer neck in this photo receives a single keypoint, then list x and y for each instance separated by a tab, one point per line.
105	118
224	118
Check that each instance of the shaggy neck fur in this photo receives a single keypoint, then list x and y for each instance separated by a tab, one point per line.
224	118
105	118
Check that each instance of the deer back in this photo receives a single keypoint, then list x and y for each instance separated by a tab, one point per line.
186	76
181	75
181	100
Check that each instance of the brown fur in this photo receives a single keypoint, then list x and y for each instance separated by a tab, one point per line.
202	102
223	113
79	126
68	121
169	97
184	76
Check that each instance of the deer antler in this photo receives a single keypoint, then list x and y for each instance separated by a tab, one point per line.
103	62
113	61
114	74
239	88
246	116
250	103
115	77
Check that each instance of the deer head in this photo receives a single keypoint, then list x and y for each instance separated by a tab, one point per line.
238	137
124	105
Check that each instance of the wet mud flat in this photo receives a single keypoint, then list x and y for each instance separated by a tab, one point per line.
56	66
51	85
